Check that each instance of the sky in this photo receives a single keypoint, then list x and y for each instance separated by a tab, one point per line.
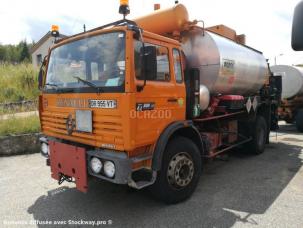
266	23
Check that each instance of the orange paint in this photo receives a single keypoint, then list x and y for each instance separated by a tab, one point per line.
164	21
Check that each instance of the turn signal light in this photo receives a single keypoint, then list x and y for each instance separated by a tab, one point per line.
124	2
124	8
55	28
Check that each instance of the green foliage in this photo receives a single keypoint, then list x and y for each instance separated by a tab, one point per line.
14	126
18	82
15	53
2	52
24	51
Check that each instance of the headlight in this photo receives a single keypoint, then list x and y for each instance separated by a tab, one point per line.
109	169
96	165
45	149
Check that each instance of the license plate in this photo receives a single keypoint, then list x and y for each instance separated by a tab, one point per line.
102	103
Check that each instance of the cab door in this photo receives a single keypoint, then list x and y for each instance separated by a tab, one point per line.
162	100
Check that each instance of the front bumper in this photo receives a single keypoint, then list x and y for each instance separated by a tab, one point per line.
72	163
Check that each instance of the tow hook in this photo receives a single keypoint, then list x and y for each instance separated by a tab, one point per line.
63	178
48	162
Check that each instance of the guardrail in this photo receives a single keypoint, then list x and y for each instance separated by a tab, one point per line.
21	106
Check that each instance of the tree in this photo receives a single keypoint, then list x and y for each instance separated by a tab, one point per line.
15	53
2	53
24	51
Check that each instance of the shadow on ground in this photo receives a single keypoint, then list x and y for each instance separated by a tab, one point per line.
228	191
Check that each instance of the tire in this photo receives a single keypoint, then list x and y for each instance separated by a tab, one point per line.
299	120
180	171
289	121
259	136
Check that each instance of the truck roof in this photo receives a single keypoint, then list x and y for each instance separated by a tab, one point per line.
101	30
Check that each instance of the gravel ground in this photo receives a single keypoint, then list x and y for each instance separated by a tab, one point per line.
240	191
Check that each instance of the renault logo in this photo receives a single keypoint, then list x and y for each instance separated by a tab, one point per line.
70	124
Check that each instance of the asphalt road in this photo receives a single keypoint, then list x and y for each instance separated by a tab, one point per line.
242	191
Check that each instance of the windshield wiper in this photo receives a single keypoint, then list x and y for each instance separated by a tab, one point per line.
57	89
51	84
88	83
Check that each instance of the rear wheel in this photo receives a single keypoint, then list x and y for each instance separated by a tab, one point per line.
259	136
180	171
289	121
299	120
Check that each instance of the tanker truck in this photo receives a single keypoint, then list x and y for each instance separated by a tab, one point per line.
145	102
291	108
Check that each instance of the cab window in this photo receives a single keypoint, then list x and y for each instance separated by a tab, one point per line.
177	66
163	73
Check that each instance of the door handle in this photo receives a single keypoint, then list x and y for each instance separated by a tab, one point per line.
172	99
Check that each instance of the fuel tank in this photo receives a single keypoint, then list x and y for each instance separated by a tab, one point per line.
226	67
292	80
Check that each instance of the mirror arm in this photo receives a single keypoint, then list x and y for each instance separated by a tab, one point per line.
41	74
140	88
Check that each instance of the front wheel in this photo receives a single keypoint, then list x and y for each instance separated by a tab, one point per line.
180	171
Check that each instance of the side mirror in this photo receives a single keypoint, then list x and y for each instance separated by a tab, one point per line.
297	28
150	63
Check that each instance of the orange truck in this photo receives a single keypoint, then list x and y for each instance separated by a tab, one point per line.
145	102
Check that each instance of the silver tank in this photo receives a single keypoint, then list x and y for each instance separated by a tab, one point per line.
225	66
292	80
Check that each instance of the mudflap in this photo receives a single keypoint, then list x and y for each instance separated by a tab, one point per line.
68	161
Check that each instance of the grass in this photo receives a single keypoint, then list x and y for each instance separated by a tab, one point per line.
15	126
18	82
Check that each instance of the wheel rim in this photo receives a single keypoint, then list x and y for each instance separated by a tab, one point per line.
180	170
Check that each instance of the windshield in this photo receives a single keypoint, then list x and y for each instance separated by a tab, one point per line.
97	61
